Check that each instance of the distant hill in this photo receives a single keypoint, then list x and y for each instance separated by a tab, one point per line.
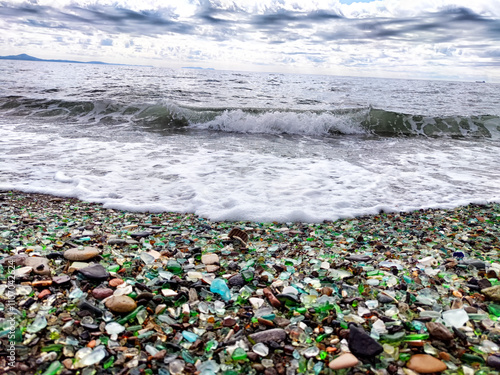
25	57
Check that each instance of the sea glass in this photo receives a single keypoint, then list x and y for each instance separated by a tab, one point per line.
220	287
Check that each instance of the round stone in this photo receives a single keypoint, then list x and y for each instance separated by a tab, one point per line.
425	364
81	254
346	360
121	304
115	282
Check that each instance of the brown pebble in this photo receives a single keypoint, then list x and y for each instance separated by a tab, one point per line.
444	356
40	283
68	363
425	364
265	322
101	293
229	322
345	360
92	344
115	282
160	355
271	298
270	371
327	291
121	304
44	293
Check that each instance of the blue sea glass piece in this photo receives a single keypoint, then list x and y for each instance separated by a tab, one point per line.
219	286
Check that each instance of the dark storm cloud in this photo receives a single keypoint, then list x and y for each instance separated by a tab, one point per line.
282	18
441	27
274	25
106	18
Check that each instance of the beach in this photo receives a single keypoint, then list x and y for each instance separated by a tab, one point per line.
105	291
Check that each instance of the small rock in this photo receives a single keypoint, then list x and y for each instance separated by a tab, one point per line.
117	241
275	334
44	293
94	272
212	268
358	258
40	283
346	360
81	254
75	266
115	282
40	265
425	364
327	291
229	322
439	331
492	293
236	280
61	279
101	293
382	298
210	258
160	355
271	298
136	235
121	304
493	361
484	283
361	344
23	272
68	363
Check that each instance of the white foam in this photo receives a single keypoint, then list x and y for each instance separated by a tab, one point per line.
252	177
279	122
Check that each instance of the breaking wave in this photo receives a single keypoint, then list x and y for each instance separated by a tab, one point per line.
169	116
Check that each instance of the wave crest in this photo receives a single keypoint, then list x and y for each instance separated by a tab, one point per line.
165	116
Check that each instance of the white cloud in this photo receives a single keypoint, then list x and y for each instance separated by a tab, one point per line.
426	38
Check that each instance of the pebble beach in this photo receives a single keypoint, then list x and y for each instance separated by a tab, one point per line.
91	290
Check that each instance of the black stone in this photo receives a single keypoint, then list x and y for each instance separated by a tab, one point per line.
382	298
484	283
84	305
30	301
143	287
236	280
54	255
145	296
117	241
94	272
140	234
359	258
233	266
494	361
476	263
362	345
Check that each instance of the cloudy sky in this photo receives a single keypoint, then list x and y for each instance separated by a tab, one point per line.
441	39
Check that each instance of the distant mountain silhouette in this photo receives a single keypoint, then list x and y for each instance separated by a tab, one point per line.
25	57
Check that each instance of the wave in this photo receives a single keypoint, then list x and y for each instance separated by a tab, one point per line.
169	116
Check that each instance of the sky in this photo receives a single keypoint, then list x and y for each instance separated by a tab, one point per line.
422	39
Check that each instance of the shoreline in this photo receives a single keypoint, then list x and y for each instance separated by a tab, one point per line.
304	283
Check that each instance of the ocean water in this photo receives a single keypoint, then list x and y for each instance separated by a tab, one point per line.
247	146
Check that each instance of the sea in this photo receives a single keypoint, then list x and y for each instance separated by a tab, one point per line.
230	145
